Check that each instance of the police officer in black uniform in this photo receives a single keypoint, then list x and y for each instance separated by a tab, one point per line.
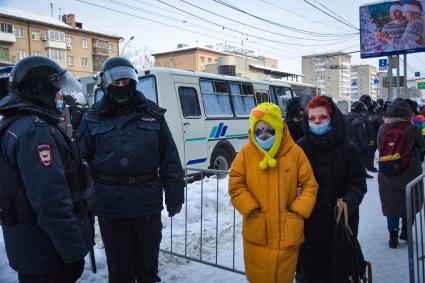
46	230
127	141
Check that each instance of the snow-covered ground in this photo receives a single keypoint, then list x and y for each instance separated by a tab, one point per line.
389	265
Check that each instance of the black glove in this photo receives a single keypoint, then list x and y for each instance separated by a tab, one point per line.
173	209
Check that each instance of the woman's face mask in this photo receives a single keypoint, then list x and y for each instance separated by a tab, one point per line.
264	135
319	120
265	144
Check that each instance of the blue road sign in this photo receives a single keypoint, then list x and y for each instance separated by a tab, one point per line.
383	63
417	74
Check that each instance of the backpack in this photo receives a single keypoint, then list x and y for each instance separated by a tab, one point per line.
394	155
348	263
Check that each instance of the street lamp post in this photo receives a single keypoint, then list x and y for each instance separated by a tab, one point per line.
131	38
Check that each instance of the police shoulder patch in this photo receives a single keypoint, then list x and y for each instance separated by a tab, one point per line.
45	156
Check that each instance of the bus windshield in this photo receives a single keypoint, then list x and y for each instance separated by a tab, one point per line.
147	85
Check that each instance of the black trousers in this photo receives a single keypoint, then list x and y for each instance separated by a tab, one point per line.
370	158
68	274
132	247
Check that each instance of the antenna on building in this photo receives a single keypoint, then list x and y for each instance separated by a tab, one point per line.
60	12
51	9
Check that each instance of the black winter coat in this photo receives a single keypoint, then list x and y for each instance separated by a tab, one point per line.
340	174
57	236
357	133
127	142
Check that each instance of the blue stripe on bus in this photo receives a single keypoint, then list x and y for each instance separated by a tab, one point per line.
220	126
196	161
223	132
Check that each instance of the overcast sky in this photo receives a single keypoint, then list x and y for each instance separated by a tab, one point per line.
153	24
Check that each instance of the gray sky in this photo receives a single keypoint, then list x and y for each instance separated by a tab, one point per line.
152	21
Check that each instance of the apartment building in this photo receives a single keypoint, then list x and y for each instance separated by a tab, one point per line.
82	51
187	58
364	80
330	72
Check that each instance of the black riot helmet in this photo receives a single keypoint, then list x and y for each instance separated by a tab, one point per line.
366	100
358	107
116	69
38	80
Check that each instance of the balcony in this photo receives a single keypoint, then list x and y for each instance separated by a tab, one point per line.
6	37
8	60
55	44
100	51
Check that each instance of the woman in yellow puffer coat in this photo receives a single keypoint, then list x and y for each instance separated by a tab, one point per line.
263	183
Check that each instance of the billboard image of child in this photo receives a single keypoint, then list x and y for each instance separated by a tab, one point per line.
392	28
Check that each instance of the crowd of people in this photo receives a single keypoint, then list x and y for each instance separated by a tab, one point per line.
292	177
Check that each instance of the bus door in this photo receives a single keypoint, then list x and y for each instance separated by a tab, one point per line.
193	126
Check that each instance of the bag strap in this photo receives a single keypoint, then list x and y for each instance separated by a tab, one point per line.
338	214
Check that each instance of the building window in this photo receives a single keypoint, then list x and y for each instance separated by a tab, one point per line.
7	28
70	60
4	54
84	62
84	43
56	54
35	35
228	70
101	44
209	60
109	46
20	54
202	59
35	53
68	41
19	32
56	35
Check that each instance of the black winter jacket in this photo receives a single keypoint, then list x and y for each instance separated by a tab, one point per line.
126	142
357	133
340	174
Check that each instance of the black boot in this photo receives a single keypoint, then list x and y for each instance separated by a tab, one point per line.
403	234
393	243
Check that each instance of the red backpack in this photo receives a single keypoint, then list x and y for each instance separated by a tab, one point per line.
394	155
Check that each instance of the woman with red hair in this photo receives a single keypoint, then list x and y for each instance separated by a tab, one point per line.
339	172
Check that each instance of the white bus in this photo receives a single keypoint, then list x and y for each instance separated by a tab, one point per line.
207	114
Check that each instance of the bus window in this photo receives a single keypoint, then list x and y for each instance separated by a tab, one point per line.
189	102
147	85
282	94
242	98
215	99
261	97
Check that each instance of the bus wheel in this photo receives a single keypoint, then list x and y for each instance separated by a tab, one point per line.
221	160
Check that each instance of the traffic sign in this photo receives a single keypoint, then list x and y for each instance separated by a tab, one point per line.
417	74
421	85
383	63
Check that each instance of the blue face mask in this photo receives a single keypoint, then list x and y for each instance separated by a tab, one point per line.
59	104
265	144
321	128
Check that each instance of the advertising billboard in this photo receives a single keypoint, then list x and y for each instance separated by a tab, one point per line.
392	27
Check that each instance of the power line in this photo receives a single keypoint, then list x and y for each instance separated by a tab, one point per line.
251	26
248	34
342	20
278	24
299	15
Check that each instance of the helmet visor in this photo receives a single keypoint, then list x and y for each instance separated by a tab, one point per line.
118	73
66	82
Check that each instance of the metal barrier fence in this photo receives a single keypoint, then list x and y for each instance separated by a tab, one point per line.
208	229
415	228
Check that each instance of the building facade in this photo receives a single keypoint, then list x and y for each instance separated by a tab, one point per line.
364	80
330	72
231	62
187	58
79	50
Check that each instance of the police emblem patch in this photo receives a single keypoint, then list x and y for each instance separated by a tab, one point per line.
44	154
